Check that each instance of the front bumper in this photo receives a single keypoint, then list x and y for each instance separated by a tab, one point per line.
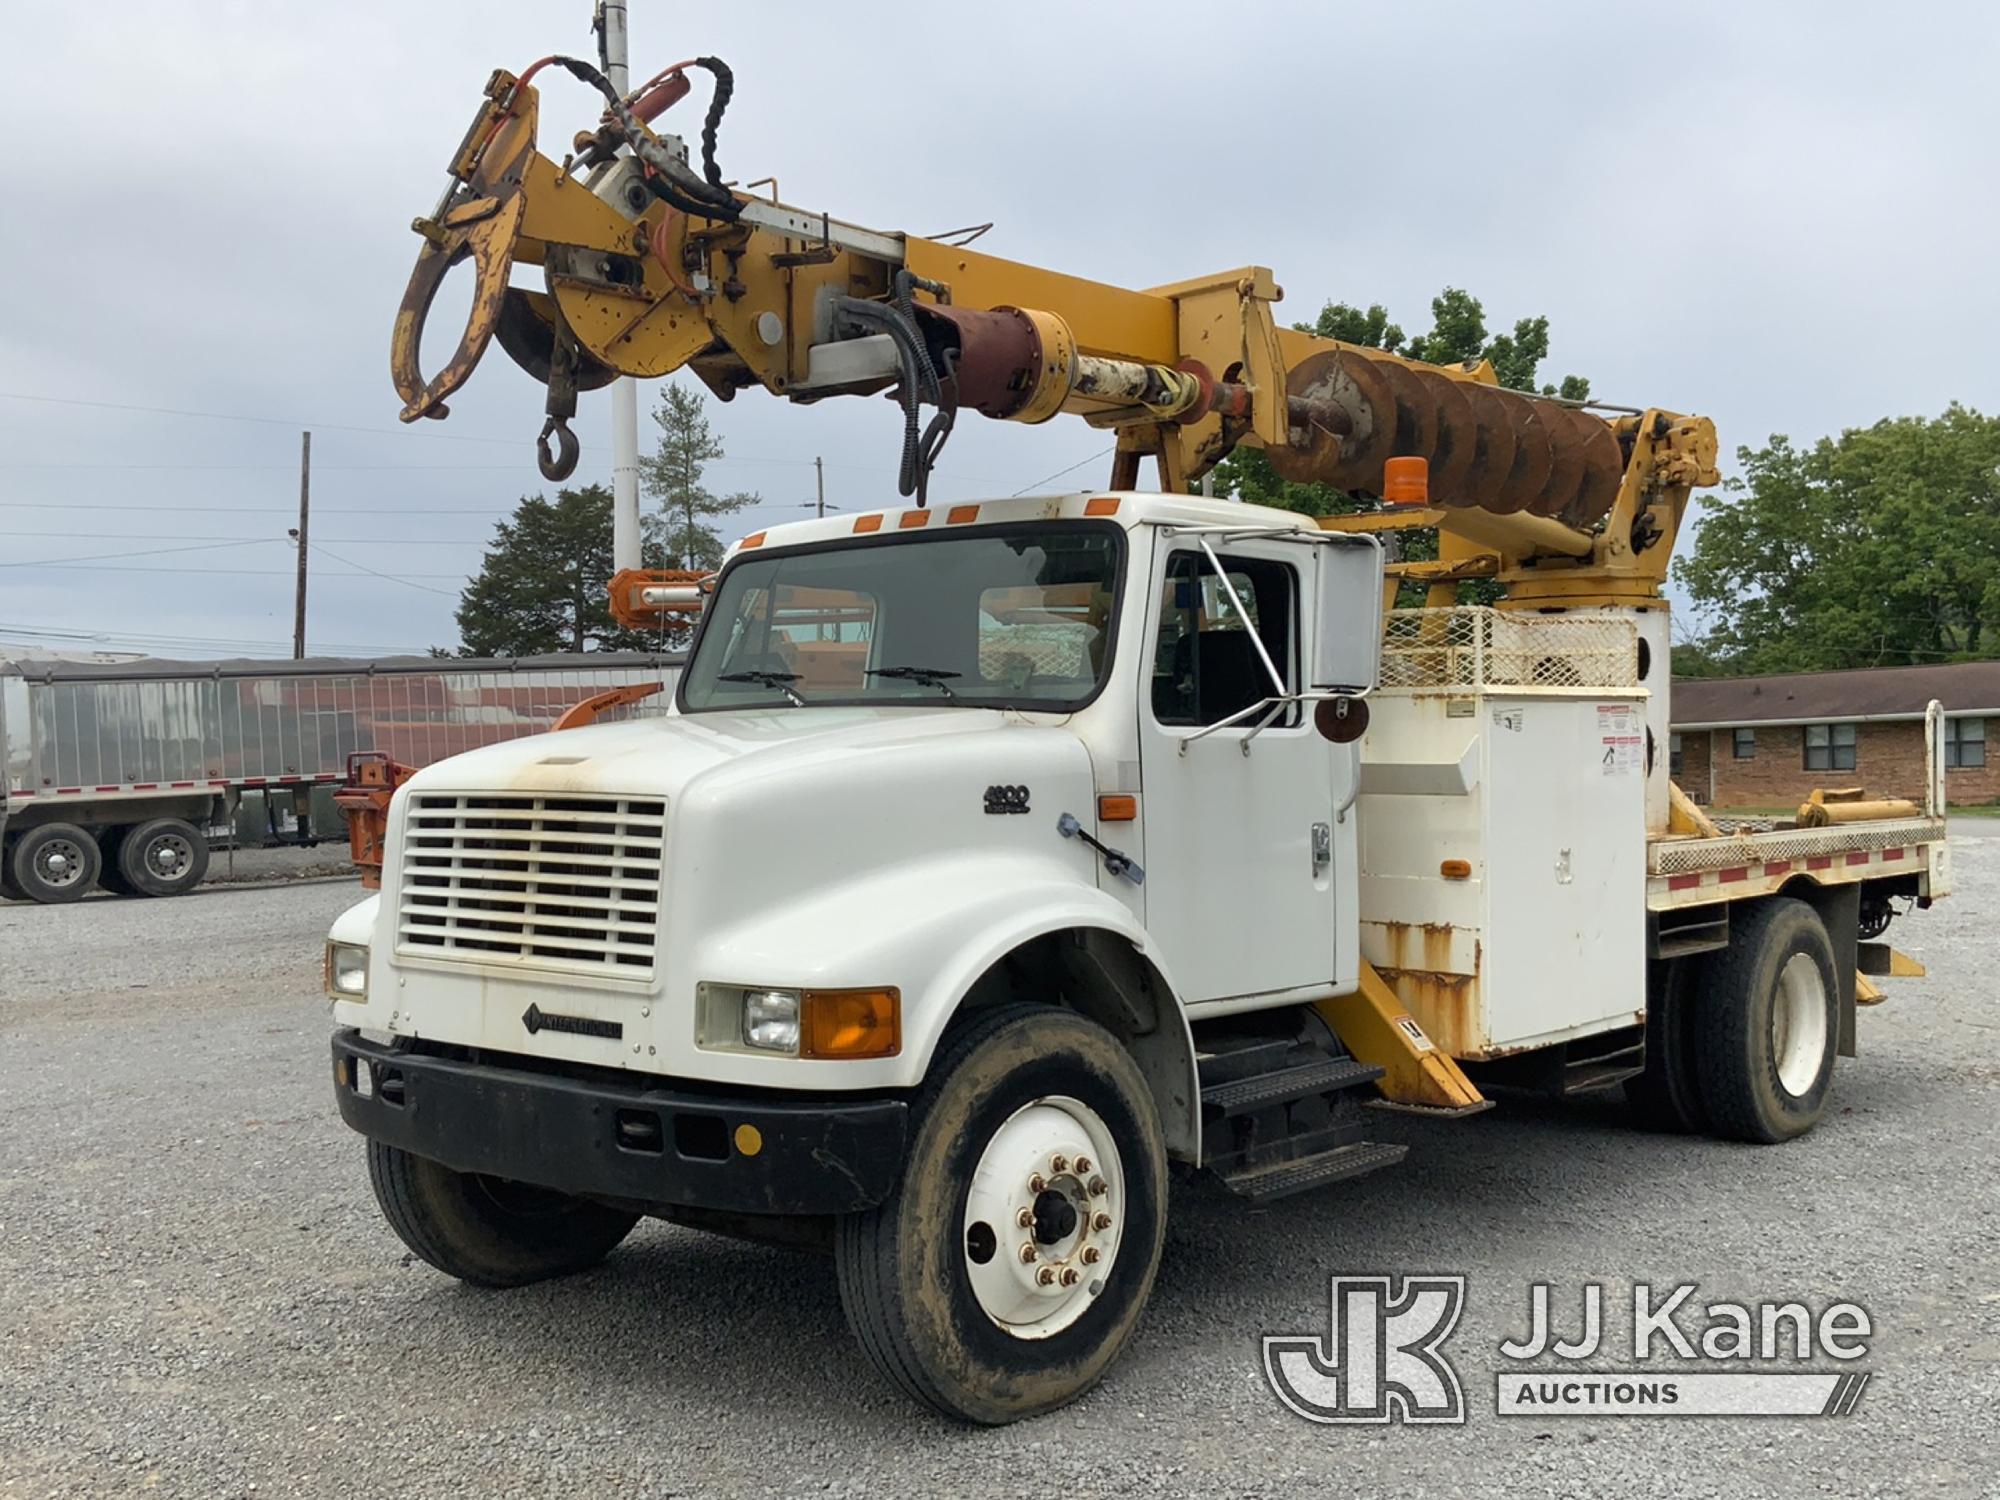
766	1154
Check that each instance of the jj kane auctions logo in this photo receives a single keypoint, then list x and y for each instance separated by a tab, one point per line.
1382	1358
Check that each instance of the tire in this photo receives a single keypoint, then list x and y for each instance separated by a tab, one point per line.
110	877
1667	1096
8	890
1767	1024
165	857
1011	1088
55	862
488	1231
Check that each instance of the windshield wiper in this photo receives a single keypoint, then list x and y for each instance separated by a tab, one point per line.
933	677
782	681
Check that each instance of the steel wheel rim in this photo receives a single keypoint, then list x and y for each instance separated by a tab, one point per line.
1050	1159
1798	1024
59	863
168	856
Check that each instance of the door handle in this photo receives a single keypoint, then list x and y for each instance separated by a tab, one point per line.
1322	848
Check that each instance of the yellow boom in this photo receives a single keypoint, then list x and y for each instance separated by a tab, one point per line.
650	265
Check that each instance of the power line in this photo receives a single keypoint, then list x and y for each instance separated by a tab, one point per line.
391	577
142	552
1038	483
237	416
179	536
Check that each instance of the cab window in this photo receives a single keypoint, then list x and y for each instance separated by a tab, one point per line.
1205	662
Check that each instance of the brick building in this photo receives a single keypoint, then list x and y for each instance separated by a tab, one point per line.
1768	741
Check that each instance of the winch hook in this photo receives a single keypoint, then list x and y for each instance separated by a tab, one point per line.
560	464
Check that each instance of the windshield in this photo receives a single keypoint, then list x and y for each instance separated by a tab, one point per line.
1006	616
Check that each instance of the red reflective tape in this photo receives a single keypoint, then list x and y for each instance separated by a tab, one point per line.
63	791
218	782
179	784
1858	857
1820	862
1728	875
28	793
112	788
1683	882
1778	867
253	780
142	786
1892	853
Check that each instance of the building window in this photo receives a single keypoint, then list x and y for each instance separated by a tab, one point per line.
1964	743
1829	747
1745	741
1674	756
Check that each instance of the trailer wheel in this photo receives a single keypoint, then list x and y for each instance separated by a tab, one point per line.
8	889
1768	1022
1667	1096
165	857
55	862
486	1230
1010	1265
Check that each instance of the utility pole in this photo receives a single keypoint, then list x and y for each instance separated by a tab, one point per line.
615	48
819	472
305	501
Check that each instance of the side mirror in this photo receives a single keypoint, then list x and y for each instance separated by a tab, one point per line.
1341	720
1347	635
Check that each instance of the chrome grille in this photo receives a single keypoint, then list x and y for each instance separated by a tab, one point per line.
552	882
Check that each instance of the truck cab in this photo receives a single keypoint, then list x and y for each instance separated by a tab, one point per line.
925	772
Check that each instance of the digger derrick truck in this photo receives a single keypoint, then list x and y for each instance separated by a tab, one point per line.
997	859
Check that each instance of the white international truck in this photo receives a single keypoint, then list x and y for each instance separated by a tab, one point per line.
994	859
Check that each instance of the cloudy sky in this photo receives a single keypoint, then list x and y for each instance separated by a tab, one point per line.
1781	215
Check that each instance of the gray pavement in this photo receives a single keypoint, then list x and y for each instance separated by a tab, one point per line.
198	1298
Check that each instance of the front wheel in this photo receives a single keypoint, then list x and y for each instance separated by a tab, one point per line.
1011	1263
487	1230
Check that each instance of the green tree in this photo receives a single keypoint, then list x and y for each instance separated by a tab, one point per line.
1457	334
1880	547
542	587
672	475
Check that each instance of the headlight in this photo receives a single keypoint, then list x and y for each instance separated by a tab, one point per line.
347	971
771	1020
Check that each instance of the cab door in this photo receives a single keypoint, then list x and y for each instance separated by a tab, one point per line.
1239	820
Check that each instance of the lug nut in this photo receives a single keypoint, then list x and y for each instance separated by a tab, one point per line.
1036	1183
1047	1276
1071	1276
1025	1218
1028	1253
1082	1164
1092	1255
1059	1163
1097	1188
1100	1221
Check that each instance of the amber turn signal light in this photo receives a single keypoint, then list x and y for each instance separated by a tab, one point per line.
1406	481
1456	869
1117	809
851	1023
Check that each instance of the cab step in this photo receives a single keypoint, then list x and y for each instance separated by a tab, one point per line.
1301	1081
1265	1184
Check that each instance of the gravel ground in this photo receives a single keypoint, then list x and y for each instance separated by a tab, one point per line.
198	1298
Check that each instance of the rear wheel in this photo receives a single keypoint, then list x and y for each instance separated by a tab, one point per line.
165	857
1768	1021
55	862
1009	1267
8	889
487	1230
